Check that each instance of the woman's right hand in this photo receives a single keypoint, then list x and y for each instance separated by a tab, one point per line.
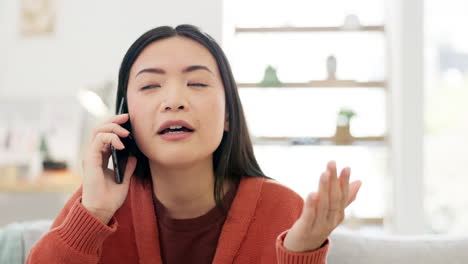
102	196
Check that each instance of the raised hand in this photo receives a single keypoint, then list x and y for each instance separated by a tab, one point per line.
323	211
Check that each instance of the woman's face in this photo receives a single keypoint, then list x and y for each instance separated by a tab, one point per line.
174	93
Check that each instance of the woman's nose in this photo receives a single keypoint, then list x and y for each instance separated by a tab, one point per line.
181	107
175	99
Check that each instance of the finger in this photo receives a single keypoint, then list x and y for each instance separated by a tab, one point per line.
129	169
102	143
335	205
344	183
110	128
322	206
118	119
310	207
97	148
354	188
331	166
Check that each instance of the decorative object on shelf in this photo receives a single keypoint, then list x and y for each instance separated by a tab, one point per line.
7	140
331	67
44	148
270	78
47	162
351	23
54	165
305	141
37	17
8	174
342	134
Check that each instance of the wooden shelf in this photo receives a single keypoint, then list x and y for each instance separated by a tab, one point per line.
373	28
320	84
318	141
49	181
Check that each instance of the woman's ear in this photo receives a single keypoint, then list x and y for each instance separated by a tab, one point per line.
226	122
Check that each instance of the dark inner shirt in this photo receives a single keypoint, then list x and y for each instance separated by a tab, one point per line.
190	240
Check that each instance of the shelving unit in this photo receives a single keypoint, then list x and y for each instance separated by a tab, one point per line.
357	141
330	83
322	84
373	28
50	181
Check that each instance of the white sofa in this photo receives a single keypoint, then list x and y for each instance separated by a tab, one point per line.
351	248
17	239
348	247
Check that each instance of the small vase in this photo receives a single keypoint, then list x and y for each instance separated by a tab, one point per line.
343	135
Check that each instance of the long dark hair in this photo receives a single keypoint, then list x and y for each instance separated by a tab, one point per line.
234	158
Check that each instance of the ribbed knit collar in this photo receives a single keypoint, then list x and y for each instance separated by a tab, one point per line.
232	234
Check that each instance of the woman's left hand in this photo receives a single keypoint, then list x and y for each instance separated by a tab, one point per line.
323	211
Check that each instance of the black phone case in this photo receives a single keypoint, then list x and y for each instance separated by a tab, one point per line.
120	157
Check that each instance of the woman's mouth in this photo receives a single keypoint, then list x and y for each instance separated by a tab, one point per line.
175	134
175	129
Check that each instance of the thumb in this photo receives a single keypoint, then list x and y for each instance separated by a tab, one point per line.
309	210
129	169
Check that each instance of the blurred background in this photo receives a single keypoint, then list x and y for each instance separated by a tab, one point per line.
378	85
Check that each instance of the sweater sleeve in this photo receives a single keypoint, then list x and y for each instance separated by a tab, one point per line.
76	236
284	256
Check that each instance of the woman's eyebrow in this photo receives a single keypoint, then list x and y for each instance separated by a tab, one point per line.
185	70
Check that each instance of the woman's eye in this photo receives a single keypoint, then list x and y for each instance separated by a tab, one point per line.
198	84
157	85
149	86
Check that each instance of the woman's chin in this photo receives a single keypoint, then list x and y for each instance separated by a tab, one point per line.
176	161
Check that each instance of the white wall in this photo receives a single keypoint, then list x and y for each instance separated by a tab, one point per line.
90	40
89	43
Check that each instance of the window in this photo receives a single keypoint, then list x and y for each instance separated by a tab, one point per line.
446	116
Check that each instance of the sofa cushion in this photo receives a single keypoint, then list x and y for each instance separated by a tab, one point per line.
11	244
348	247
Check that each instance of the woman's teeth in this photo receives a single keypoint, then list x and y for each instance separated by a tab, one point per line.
175	132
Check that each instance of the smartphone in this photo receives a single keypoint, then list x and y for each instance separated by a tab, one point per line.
120	157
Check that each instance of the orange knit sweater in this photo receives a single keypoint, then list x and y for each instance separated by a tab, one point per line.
260	215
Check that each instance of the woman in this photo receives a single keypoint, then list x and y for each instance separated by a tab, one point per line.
192	190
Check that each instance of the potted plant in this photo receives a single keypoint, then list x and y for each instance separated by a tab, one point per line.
270	77
342	134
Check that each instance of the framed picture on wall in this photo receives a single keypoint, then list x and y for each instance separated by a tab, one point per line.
37	17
